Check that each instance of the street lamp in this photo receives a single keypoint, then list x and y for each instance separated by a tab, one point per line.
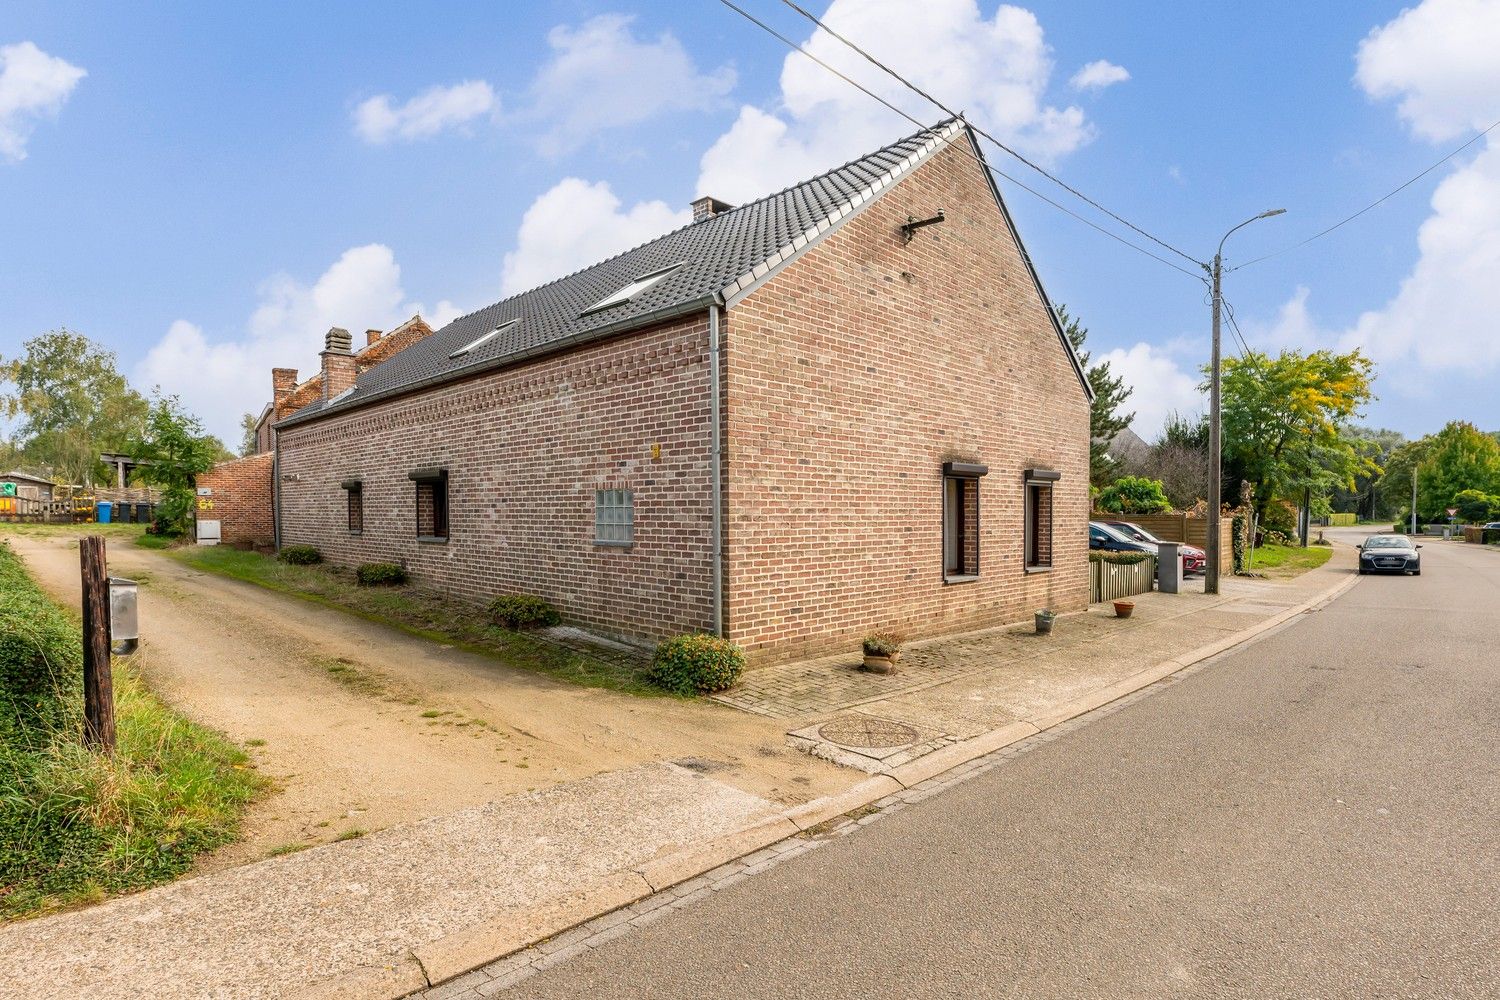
1215	446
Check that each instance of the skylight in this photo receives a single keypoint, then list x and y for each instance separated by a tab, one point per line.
630	291
480	340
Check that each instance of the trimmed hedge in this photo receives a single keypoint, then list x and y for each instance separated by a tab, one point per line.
380	575
696	664
300	555
1119	558
522	611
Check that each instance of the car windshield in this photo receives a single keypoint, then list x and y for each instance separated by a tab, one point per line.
1137	532
1387	542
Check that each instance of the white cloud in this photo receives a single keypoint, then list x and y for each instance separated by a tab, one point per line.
1099	74
1162	386
576	224
221	379
33	85
600	76
997	68
378	120
1439	60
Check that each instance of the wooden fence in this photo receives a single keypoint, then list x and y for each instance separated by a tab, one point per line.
1113	581
1182	528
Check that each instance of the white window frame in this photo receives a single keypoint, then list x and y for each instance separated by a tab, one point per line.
636	287
486	337
614	517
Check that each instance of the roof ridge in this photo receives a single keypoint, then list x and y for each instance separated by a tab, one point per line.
926	130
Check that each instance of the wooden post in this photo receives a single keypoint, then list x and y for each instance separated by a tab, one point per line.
98	686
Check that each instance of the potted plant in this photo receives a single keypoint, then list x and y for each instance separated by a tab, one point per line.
1124	608
1044	620
882	650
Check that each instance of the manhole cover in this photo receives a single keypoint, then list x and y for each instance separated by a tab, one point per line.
863	731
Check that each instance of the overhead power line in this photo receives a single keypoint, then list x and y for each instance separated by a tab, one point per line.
1000	145
1378	201
789	43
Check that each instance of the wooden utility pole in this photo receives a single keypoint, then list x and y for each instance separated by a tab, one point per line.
98	685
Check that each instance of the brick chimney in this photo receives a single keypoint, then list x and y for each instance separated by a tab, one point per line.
283	381
339	368
371	336
707	207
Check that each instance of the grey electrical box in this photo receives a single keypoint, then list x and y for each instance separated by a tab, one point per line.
1169	568
124	619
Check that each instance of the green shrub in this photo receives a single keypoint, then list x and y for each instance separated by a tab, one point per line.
696	664
1475	506
1134	495
1276	538
1119	558
522	611
300	555
380	575
882	643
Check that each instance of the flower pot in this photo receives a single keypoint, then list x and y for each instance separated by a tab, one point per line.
881	664
1044	620
1124	608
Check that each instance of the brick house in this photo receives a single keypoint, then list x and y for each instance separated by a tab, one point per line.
238	494
789	422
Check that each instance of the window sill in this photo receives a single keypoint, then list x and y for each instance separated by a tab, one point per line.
432	539
613	545
355	533
1038	569
960	579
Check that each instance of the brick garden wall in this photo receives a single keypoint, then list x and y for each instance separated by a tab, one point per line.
525	449
241	500
851	378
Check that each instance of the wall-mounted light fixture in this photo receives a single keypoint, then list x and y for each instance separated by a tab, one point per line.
913	224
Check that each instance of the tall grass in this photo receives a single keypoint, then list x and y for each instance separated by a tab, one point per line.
76	826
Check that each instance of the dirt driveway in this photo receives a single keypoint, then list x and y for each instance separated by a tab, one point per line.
363	726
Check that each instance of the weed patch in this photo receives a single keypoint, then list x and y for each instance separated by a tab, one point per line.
76	826
427	614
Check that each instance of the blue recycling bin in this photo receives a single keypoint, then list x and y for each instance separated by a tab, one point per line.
104	511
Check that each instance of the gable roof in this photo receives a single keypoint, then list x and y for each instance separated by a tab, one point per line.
17	474
716	260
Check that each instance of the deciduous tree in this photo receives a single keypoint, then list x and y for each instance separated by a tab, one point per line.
173	452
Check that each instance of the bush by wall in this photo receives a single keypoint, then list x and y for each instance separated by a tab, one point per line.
380	575
522	611
1119	558
300	555
1134	495
696	664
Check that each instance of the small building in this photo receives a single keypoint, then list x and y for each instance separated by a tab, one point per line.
843	407
26	486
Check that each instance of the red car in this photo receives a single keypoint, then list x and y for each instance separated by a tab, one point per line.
1194	559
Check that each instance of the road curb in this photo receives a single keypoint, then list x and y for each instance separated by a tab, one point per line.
454	955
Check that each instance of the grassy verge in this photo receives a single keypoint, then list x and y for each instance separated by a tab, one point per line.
1284	561
424	613
76	826
109	531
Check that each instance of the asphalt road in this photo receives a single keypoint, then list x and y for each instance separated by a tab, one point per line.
1314	815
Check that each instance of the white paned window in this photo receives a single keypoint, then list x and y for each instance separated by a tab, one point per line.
480	340
631	290
614	517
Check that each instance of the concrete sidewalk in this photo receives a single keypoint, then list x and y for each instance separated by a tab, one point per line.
415	905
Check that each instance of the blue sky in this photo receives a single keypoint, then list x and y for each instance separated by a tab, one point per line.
219	185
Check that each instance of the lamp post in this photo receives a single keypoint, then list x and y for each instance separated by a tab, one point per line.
1215	445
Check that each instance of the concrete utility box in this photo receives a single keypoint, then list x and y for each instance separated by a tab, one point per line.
124	619
1169	568
208	532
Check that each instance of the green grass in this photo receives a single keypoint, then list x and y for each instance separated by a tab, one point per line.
1289	560
110	531
424	613
75	825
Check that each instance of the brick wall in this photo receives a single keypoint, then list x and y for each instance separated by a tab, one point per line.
525	449
851	378
240	501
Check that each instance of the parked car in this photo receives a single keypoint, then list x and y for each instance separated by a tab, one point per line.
1194	559
1103	538
1390	554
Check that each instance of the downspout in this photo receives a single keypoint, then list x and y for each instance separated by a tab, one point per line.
715	458
276	489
